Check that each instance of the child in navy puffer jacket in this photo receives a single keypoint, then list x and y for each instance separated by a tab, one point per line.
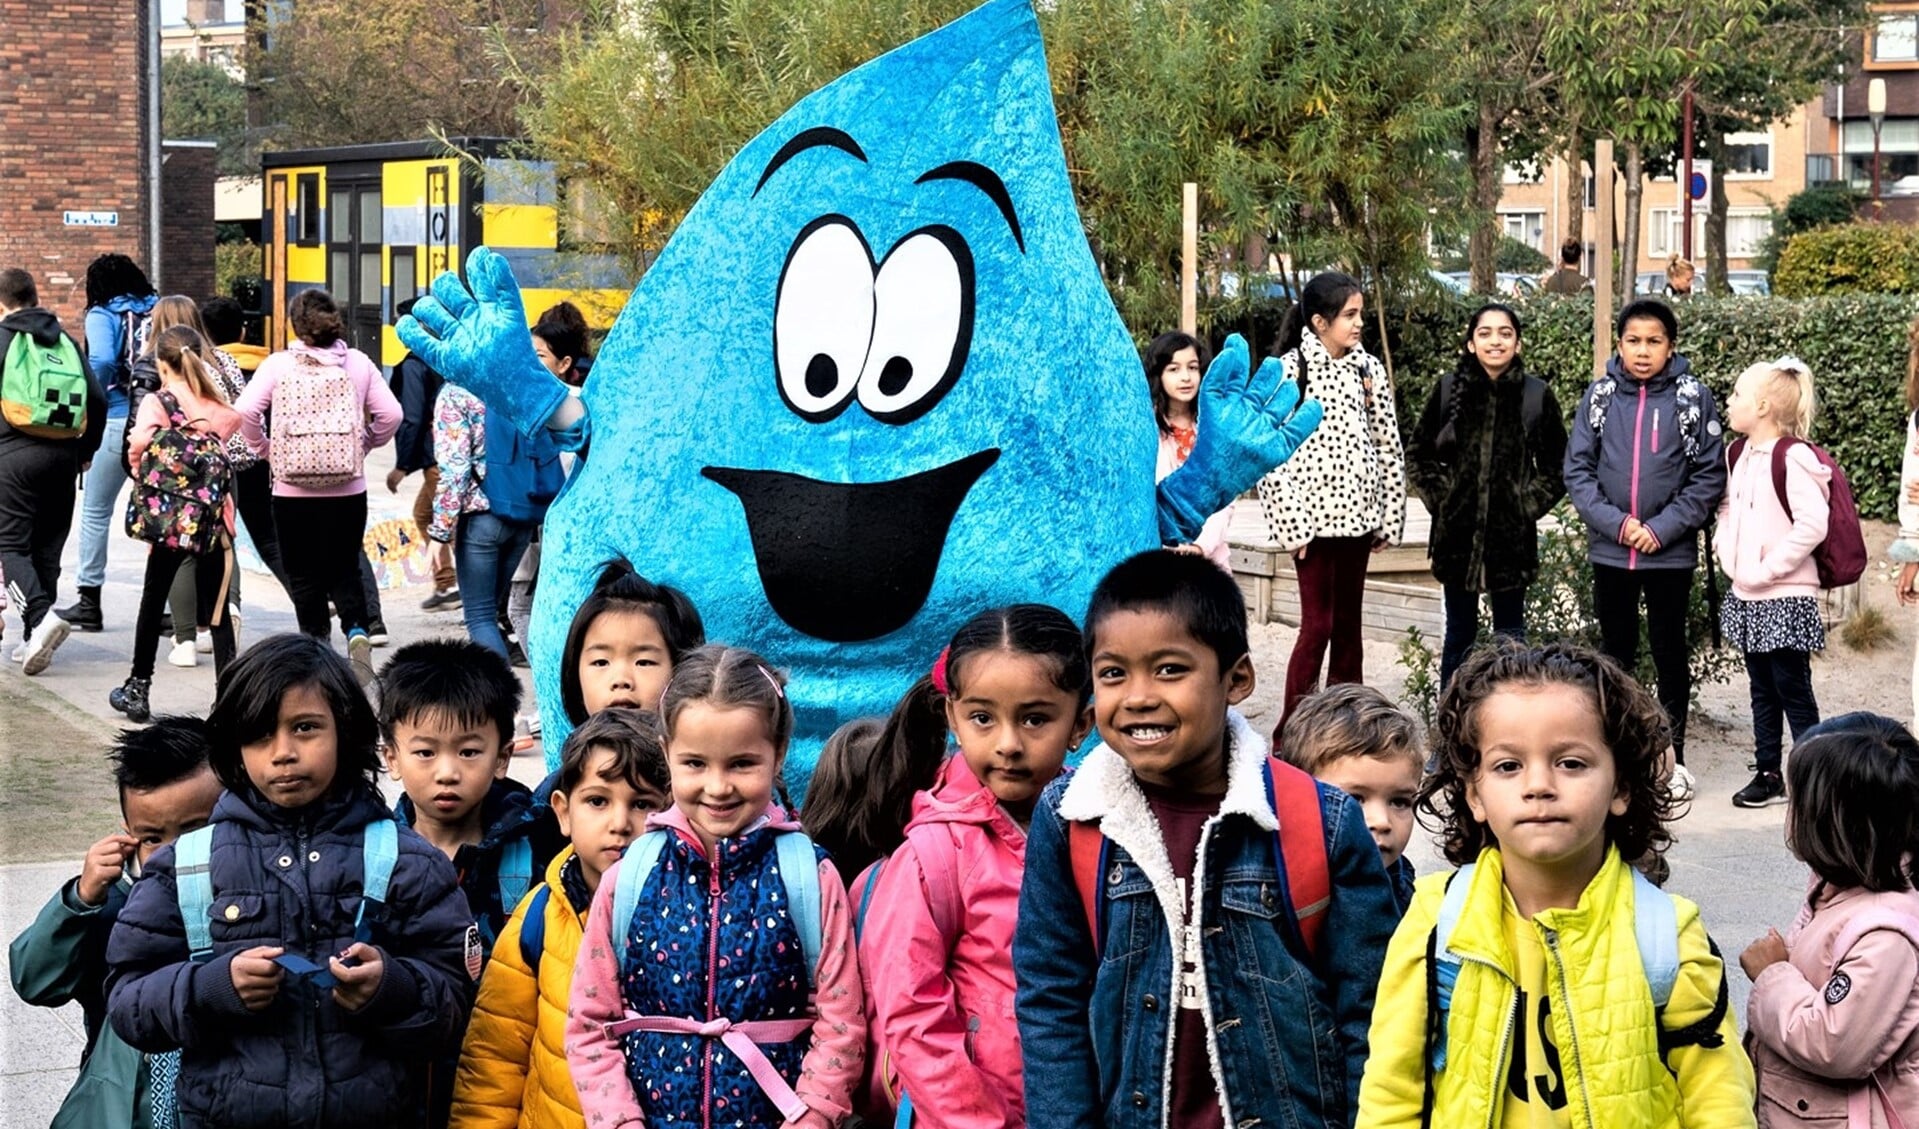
317	1005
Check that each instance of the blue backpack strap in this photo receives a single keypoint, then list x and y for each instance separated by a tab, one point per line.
1656	929
533	929
193	887
635	867
904	1119
800	870
516	872
866	897
379	850
1445	965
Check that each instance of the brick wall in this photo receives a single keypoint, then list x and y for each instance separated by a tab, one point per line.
72	104
187	173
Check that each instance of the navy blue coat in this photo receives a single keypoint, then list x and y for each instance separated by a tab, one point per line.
294	878
510	812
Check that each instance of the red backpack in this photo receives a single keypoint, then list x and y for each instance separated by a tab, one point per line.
1841	557
1299	853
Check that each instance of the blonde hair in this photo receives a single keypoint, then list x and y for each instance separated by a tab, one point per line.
1348	720
178	309
1679	264
178	349
1789	391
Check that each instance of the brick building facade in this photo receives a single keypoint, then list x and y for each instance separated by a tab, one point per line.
73	138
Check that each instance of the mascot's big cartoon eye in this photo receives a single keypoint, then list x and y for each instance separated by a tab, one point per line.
923	323
823	324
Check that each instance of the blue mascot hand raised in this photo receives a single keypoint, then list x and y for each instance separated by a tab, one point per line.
1250	421
478	339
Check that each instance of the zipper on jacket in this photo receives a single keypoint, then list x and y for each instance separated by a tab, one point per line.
1572	1029
1655	431
1501	1061
1476	567
712	978
1638	433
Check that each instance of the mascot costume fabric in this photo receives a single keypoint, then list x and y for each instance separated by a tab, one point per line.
873	385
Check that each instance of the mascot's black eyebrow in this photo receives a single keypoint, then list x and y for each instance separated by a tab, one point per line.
987	181
817	137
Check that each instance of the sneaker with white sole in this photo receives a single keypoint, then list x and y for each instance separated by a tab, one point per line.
45	640
1765	790
203	641
184	653
359	656
1681	785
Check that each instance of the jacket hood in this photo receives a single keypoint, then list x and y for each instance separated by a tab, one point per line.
673	819
131	304
36	323
342	807
335	352
959	797
1675	368
505	812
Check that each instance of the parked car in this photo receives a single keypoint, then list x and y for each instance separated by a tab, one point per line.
1511	283
1741	281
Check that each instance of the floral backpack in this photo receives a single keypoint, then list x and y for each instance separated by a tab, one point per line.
180	486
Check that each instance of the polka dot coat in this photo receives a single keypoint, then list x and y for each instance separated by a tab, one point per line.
1349	478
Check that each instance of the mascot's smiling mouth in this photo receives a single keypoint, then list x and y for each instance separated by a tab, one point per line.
846	589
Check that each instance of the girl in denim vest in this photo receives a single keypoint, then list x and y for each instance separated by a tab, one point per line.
717	983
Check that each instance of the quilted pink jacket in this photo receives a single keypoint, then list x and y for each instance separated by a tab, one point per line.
1834	1030
942	997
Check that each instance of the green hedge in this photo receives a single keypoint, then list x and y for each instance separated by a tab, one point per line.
1876	258
1854	343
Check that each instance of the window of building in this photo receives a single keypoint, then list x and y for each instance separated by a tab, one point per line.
1746	229
1529	227
1522	172
1895	38
306	209
1898	156
1590	194
1663	231
406	282
1749	156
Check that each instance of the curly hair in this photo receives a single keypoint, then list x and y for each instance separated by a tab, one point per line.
1635	729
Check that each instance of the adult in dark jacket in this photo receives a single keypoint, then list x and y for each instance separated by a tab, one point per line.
1485	458
1645	468
37	476
417	387
294	742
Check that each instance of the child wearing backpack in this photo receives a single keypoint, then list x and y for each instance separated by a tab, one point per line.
306	956
938	915
1833	1018
1774	514
736	994
1547	982
513	1064
182	503
1167	973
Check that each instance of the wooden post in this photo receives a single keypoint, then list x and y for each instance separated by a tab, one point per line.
1189	259
1602	255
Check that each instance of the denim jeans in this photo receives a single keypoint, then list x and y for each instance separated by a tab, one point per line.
1781	692
486	550
105	480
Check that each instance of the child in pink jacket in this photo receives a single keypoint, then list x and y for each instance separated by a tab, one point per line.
1765	542
1833	1019
939	913
706	991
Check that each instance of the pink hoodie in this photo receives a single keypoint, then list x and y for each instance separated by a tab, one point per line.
1767	554
383	411
1823	1021
829	1072
944	1004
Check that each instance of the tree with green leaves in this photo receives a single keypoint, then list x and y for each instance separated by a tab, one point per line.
202	102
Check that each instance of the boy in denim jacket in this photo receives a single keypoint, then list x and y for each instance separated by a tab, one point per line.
1198	1005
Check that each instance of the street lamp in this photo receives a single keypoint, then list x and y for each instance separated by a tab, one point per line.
1876	110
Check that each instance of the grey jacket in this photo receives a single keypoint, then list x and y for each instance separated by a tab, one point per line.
1658	455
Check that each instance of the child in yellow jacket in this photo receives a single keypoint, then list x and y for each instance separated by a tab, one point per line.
1546	982
513	1068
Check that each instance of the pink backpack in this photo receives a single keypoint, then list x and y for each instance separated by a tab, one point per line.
319	424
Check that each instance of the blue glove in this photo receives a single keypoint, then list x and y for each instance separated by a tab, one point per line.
1249	422
480	342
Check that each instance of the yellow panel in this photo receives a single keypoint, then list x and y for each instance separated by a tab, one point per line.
306	264
599	306
520	225
391	351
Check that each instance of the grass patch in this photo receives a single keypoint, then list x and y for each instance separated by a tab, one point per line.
1867	629
56	793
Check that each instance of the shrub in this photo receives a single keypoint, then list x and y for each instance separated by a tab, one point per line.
1817	207
232	262
1876	258
1867	629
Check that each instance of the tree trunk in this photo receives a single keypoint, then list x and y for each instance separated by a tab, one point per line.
1716	211
1575	194
1482	248
1629	238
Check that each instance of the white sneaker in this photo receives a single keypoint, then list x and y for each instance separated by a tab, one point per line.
203	642
1681	785
19	652
233	617
184	653
46	639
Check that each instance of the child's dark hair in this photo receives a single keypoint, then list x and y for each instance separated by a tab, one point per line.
462	681
633	739
563	327
1648	309
1160	354
1635	729
842	809
168	749
1348	720
112	275
1479	315
1186	586
620	589
1853	818
224	319
1323	296
316	319
246	708
730	678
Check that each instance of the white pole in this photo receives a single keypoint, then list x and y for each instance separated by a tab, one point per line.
1602	255
1189	259
154	131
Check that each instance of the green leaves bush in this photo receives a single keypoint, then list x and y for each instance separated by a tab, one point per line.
1854	343
1878	258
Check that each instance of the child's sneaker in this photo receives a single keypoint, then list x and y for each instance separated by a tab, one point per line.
443	600
184	653
130	698
203	641
45	640
359	656
376	633
1680	786
1765	790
